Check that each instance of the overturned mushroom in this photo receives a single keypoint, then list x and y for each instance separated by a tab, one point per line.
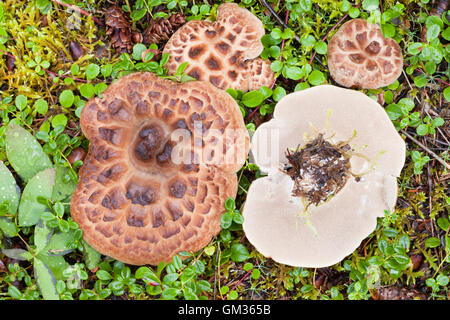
154	183
359	56
223	52
332	156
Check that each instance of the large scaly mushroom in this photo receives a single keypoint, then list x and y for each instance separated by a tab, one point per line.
223	52
332	156
153	182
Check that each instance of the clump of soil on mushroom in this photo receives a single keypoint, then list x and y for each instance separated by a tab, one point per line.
320	169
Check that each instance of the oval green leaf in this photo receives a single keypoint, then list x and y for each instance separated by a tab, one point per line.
45	280
41	185
9	191
24	153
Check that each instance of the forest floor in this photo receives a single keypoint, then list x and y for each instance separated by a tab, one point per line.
56	55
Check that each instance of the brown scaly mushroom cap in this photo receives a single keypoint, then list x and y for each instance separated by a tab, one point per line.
359	56
135	202
223	52
368	155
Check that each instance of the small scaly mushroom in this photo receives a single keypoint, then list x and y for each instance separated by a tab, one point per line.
359	56
153	184
332	156
223	52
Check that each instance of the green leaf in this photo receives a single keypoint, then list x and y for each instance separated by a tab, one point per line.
44	6
138	14
87	90
226	220
446	93
178	264
421	80
14	292
92	256
443	223
422	129
353	12
390	232
21	102
66	98
305	5
42	236
187	274
59	120
138	48
294	73
229	204
8	227
24	153
370	5
103	275
388	30
415	48
170	278
321	47
239	252
106	70
308	41
446	34
276	66
278	93
60	243
41	185
432	242
433	32
301	86
252	99
443	280
9	191
41	106
255	274
169	293
64	187
316	78
430	67
92	71
45	280
437	122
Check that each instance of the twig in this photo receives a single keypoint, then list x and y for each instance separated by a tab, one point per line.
79	10
242	279
64	76
445	164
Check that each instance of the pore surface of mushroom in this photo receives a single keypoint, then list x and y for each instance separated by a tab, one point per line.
223	52
332	156
153	183
359	56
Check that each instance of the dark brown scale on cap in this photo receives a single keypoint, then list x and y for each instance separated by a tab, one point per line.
142	195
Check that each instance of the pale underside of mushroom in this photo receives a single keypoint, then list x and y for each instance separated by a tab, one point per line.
134	202
359	56
276	222
223	52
